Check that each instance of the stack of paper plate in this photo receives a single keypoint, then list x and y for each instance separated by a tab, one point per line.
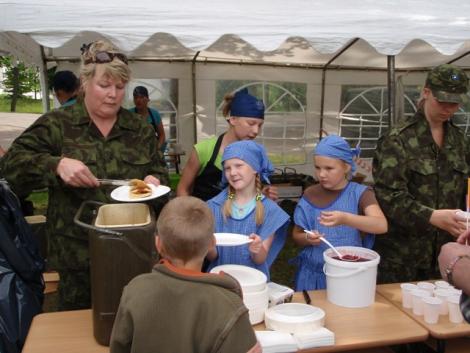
294	318
254	288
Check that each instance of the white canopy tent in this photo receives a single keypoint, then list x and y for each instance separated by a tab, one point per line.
326	46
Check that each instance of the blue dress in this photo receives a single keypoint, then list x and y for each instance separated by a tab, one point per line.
310	262
275	222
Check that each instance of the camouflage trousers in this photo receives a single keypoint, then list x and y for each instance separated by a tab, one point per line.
74	290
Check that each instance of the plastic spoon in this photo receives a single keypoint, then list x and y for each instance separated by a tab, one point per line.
327	243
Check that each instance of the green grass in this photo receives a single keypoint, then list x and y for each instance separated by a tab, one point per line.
174	179
39	200
24	105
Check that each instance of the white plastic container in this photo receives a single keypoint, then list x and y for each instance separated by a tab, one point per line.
351	284
442	285
443	294
431	306
254	289
406	299
256	303
428	286
455	315
417	296
250	279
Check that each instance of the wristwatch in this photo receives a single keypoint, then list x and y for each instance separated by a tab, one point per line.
451	266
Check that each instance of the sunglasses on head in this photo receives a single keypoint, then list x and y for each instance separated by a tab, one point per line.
102	57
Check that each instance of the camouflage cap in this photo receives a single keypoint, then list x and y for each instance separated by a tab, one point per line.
448	83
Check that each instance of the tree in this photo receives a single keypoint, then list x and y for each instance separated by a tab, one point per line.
19	79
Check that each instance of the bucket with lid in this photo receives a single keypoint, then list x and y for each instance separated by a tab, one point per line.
122	246
351	283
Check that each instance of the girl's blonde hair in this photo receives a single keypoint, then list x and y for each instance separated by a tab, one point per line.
116	68
259	208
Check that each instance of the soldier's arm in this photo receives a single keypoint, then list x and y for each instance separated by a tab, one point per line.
391	185
31	162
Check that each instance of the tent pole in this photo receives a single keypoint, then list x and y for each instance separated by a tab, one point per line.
323	81
391	85
193	85
44	82
458	57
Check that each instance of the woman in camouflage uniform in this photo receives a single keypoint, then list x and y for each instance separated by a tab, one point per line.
67	149
420	171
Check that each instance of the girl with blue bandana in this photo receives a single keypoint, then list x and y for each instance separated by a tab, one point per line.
242	208
203	171
336	208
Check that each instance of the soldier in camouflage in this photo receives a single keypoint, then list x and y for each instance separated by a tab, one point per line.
420	170
66	150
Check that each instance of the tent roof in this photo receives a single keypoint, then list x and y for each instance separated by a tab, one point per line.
420	33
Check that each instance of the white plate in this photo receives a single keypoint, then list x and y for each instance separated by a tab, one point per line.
122	193
250	279
294	318
231	239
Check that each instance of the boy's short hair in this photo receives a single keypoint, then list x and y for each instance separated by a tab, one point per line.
65	81
186	228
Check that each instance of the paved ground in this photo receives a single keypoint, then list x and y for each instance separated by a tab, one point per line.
12	125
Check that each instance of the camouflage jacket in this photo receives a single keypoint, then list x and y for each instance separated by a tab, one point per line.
413	177
31	162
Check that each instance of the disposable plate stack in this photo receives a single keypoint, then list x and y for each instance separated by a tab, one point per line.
276	342
254	288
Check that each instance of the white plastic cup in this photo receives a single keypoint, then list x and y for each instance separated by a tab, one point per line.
406	299
431	306
443	294
455	315
455	291
442	285
417	296
428	286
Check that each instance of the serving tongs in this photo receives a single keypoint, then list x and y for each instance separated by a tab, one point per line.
115	182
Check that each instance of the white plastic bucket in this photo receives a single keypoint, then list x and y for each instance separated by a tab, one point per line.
351	284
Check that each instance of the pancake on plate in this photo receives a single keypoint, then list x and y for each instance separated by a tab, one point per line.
139	189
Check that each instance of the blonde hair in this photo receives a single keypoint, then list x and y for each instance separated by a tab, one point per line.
186	227
116	69
259	208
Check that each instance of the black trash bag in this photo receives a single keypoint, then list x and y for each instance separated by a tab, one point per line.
21	268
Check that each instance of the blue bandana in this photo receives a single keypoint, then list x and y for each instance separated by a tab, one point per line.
246	105
252	153
336	147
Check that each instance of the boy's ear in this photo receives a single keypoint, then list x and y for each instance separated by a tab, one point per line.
213	242
158	244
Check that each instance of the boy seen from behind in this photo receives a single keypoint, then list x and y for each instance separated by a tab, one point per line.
177	308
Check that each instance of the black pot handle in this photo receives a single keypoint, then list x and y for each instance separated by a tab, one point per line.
77	220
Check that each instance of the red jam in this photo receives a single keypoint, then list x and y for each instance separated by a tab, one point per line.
351	258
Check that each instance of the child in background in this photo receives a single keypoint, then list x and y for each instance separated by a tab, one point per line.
242	208
336	208
177	308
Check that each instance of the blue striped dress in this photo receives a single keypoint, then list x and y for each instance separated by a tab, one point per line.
275	222
310	262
